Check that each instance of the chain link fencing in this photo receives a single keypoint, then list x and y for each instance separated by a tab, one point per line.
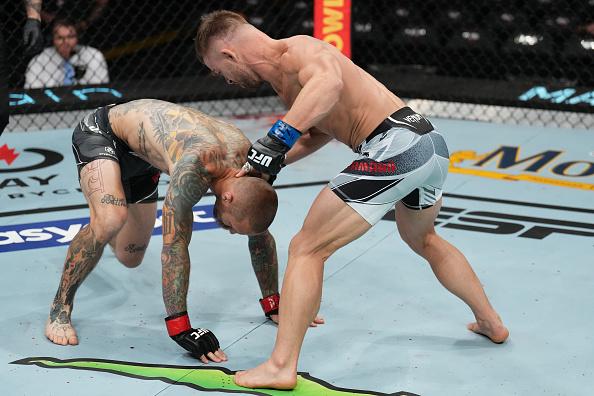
486	60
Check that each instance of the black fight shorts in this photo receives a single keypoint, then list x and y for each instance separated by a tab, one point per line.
94	139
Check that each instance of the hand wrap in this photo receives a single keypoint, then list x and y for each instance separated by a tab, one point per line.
270	304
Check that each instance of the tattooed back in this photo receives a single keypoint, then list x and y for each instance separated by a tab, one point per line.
161	133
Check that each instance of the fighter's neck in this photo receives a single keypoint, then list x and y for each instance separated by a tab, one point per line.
219	182
262	53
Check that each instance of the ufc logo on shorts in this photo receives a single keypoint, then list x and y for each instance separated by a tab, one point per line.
259	158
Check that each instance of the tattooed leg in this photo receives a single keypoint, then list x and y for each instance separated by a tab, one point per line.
101	185
83	254
131	242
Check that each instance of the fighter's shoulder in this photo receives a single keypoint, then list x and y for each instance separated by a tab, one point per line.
300	49
303	44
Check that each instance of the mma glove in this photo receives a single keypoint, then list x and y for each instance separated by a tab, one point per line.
32	35
270	304
196	341
267	154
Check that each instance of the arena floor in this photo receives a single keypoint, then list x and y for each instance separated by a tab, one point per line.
518	203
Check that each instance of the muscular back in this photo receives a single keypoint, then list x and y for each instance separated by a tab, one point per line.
161	133
364	101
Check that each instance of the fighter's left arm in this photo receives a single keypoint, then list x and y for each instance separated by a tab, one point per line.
264	262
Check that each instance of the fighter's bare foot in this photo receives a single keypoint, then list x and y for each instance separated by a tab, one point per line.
267	375
61	333
494	330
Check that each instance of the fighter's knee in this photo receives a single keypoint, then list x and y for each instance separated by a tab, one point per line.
106	225
305	244
129	260
421	244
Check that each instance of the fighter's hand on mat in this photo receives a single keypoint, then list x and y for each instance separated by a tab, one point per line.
270	306
318	320
201	343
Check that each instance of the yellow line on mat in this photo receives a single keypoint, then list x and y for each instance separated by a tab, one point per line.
460	156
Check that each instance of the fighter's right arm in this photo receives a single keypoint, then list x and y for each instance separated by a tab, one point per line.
189	181
308	143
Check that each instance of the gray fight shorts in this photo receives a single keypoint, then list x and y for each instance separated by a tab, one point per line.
403	159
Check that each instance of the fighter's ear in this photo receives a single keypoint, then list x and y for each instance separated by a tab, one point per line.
229	54
227	197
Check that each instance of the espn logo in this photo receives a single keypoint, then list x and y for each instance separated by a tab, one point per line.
259	158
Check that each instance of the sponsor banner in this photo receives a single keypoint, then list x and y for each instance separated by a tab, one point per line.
504	223
37	170
553	167
61	232
332	23
569	96
79	97
517	93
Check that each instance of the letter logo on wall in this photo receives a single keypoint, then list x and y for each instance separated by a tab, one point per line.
568	96
35	158
332	23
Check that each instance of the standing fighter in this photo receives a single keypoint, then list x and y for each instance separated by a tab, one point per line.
120	152
402	161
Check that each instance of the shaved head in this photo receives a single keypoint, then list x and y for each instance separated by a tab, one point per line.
248	206
257	201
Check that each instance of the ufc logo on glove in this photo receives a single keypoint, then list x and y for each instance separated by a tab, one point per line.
267	154
259	158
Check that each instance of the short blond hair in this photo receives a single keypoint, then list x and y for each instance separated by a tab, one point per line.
215	24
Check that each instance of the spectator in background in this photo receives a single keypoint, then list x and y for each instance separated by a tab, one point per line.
66	62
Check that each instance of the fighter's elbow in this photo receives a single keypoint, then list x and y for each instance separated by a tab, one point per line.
335	85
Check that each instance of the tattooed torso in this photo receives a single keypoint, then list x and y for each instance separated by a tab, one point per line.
193	149
161	133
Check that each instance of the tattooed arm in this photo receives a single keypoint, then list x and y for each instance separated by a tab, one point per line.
265	262
189	182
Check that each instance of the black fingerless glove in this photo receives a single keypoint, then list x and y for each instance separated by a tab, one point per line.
32	35
267	154
198	341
